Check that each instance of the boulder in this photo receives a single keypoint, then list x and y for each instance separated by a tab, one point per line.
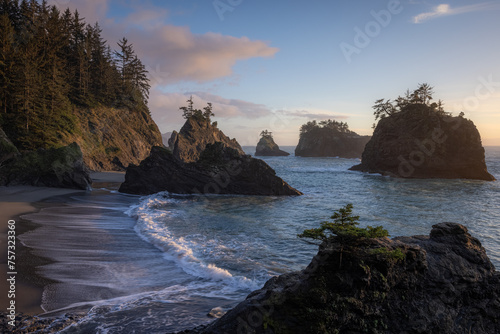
266	147
219	170
419	142
442	283
7	148
61	168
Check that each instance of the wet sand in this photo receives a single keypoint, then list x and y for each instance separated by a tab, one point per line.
14	202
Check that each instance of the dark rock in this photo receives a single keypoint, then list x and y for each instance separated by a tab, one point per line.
62	168
267	147
444	283
7	148
219	170
326	142
421	143
194	136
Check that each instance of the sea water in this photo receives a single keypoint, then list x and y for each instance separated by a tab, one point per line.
162	263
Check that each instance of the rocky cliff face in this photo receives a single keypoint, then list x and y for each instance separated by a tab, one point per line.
324	142
219	170
62	168
111	139
421	143
191	140
442	283
267	147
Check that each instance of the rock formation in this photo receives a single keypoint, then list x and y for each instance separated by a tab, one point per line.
419	142
329	139
267	147
111	139
442	283
62	168
191	140
219	170
7	148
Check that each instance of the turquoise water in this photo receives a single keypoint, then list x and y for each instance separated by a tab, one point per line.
161	263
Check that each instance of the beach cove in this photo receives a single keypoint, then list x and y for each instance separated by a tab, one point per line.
163	262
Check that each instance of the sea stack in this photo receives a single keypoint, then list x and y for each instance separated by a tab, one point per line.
329	139
422	142
441	283
266	147
203	160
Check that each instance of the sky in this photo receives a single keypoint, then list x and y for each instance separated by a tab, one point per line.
278	64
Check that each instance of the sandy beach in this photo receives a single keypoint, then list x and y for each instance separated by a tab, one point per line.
14	202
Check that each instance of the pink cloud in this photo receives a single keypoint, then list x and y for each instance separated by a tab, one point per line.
165	107
170	53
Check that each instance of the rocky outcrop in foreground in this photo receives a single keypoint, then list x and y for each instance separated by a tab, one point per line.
442	283
61	168
266	147
219	170
419	142
195	135
203	160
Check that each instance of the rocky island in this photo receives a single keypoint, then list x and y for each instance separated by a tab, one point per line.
329	139
203	160
266	147
441	283
418	139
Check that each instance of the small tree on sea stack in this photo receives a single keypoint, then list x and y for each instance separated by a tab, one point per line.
189	111
266	134
343	230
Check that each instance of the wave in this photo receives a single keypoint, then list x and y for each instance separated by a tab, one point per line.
151	214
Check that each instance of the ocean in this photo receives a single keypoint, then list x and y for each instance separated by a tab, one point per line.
163	263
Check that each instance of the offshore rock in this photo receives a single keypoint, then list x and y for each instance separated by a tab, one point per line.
267	147
325	142
421	143
442	283
61	168
195	135
219	170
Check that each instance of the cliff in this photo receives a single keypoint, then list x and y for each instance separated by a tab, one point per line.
191	140
267	147
112	139
330	141
441	283
419	142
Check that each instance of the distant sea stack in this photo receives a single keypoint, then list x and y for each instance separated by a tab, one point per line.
441	283
202	159
329	139
420	140
266	147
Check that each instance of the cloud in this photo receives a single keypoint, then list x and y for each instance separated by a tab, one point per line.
165	107
170	53
316	116
446	10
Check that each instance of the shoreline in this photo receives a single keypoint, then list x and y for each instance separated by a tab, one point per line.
16	201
